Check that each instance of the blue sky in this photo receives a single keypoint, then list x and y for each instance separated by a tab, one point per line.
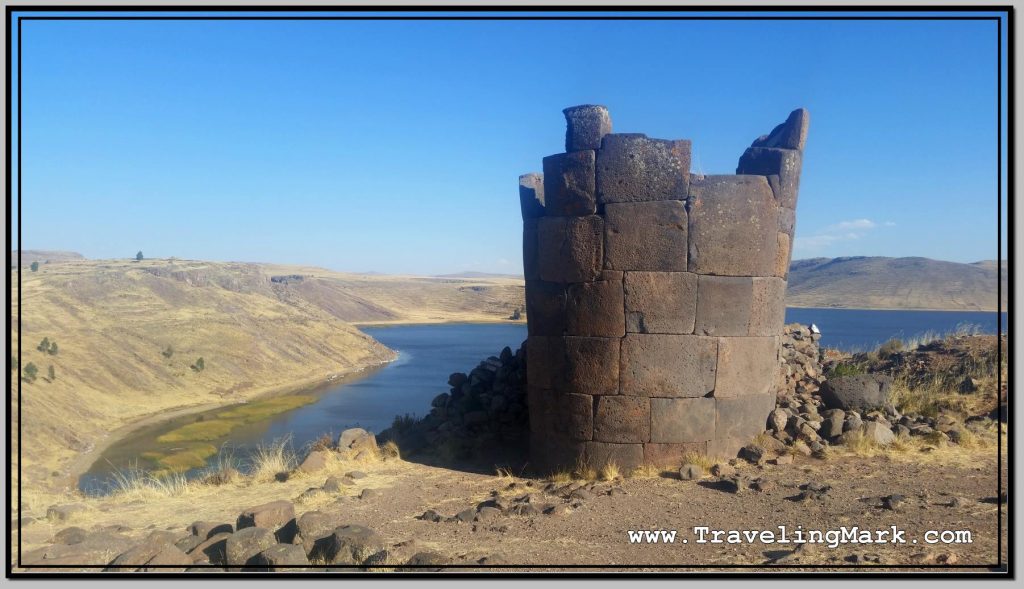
396	146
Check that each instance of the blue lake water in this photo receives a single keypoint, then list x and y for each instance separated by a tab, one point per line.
429	353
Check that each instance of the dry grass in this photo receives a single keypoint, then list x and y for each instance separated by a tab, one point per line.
390	451
272	459
610	472
702	460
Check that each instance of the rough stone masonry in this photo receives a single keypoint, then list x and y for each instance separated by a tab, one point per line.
654	297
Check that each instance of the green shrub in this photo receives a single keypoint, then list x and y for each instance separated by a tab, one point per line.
168	352
199	365
138	256
44	346
34	267
50	374
31	372
53	348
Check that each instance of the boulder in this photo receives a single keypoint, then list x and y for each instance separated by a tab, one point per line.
357	439
315	461
690	472
352	544
859	392
213	549
426	561
312	528
72	535
168	560
269	515
878	433
281	557
243	545
205	529
143	552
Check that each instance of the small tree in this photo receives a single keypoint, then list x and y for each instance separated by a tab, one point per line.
34	267
30	372
138	256
44	346
199	365
53	348
168	352
50	373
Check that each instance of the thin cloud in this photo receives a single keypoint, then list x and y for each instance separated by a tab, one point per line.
830	235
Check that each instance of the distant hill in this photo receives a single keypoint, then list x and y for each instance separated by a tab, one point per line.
894	283
479	275
44	257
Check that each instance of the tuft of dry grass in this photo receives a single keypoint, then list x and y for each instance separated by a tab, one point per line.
271	459
702	460
561	477
137	484
390	451
647	471
610	471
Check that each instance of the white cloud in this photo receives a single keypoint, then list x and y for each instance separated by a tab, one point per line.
833	234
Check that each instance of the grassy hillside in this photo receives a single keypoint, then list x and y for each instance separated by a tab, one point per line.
893	283
128	335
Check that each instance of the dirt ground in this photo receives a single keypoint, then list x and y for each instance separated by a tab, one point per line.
943	492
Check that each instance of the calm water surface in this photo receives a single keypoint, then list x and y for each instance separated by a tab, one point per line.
429	353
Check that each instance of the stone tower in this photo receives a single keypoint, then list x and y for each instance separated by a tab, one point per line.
654	297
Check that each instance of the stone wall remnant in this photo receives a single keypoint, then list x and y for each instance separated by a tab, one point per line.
655	297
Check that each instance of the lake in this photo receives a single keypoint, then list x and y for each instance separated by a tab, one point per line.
429	353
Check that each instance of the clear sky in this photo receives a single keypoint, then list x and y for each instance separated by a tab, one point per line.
396	146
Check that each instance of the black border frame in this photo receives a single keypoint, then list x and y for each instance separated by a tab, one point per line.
1004	17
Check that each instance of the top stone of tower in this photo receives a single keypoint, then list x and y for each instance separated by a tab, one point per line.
586	125
789	135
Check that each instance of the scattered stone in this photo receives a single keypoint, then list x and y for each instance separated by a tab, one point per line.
63	513
426	561
753	453
878	433
369	493
466	515
581	495
893	502
356	475
487	513
691	472
432	516
68	536
784	459
761	485
722	470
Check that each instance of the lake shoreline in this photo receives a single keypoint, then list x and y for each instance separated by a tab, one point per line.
84	461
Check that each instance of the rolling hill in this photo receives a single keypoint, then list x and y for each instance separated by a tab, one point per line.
130	333
894	283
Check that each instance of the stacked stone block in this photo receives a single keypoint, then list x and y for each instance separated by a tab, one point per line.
654	298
